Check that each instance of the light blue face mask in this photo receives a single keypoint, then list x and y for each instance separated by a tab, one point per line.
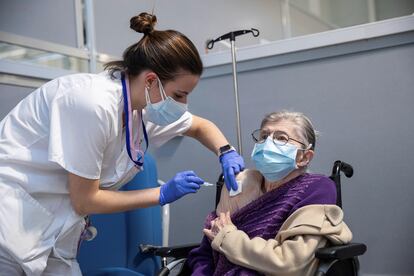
164	112
274	161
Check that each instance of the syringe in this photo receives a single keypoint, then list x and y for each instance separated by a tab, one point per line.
207	184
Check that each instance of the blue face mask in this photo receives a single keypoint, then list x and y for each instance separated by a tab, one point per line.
164	112
274	161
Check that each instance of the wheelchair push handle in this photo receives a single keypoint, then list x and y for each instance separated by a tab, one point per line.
347	169
344	167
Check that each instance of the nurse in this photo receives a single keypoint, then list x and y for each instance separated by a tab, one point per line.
67	147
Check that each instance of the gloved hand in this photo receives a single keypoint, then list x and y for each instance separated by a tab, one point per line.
182	184
231	163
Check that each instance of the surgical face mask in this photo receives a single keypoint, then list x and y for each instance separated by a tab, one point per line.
274	160
164	112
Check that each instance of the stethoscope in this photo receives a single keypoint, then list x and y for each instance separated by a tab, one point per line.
90	232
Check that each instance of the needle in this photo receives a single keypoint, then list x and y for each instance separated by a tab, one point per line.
207	184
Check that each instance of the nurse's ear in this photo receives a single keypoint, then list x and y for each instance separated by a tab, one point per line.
150	79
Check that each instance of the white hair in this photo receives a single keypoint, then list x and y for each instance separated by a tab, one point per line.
301	122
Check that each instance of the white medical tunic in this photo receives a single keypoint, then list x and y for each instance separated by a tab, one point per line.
70	124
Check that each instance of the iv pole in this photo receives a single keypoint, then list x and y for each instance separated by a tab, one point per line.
232	36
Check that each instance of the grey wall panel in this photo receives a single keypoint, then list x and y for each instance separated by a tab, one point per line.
363	106
10	96
360	103
48	20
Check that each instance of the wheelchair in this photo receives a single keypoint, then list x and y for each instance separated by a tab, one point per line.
333	260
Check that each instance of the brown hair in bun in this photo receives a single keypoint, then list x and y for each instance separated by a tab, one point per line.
166	53
143	23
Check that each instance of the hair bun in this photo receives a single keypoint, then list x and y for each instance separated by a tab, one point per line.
143	23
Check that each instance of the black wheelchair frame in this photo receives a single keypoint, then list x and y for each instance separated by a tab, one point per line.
333	260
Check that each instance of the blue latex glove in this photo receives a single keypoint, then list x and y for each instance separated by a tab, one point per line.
231	163
182	184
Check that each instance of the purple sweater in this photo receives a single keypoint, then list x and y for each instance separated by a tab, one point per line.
263	218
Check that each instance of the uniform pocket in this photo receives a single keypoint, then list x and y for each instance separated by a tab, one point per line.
66	246
23	225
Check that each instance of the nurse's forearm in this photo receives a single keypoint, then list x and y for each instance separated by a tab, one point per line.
87	198
118	201
207	133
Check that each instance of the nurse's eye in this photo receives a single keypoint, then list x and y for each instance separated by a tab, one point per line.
179	96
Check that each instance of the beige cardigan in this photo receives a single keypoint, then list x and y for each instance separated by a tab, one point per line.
292	252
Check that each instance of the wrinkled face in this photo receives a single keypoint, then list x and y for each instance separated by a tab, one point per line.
179	88
283	131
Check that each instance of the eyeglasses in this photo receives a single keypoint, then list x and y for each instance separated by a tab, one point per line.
279	137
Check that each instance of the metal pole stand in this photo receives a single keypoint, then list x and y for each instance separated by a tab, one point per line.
232	36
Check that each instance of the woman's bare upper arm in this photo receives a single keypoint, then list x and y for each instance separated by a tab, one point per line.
81	191
250	180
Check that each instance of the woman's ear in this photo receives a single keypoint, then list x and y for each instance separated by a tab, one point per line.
304	158
150	79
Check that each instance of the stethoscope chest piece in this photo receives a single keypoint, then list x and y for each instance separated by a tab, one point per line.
89	233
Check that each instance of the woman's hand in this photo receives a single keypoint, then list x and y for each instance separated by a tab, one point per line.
217	225
182	184
231	163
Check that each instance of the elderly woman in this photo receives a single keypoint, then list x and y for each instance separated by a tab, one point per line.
283	214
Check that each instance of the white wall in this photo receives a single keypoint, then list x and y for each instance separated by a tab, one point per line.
199	20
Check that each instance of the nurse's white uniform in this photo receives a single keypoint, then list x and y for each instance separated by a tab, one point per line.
73	123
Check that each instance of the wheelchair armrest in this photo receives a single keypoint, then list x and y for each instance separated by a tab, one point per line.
341	252
177	252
